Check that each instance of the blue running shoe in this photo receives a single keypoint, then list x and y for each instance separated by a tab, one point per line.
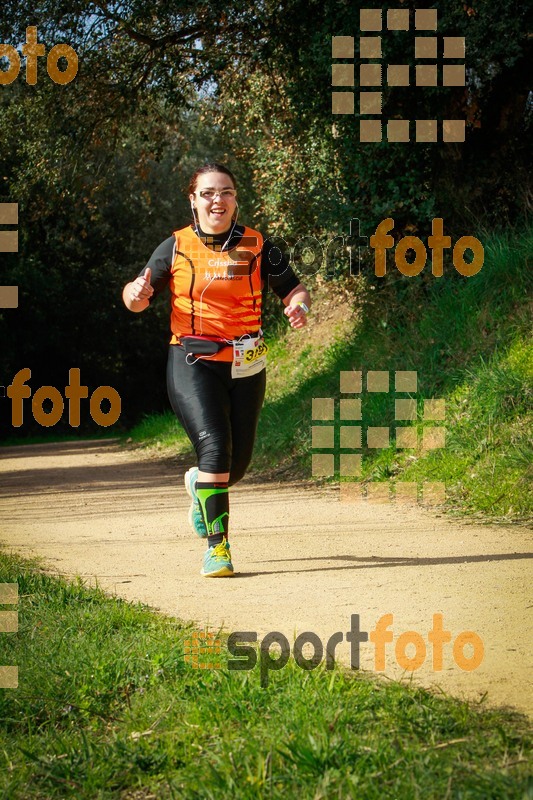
196	520
217	561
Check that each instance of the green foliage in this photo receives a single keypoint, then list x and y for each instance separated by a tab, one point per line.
99	166
89	221
311	173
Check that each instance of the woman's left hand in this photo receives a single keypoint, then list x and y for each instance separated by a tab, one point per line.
296	314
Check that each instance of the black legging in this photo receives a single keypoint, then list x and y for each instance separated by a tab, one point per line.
219	413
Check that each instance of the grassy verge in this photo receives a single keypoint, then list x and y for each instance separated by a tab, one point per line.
107	707
161	432
487	462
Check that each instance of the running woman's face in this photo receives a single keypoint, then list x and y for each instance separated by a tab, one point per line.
214	202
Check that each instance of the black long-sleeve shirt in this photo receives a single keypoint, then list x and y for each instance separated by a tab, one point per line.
276	271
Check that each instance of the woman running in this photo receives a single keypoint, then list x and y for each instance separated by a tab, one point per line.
216	271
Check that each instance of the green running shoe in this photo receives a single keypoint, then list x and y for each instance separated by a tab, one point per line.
196	520
217	561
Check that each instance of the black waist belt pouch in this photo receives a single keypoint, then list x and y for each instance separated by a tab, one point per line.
197	346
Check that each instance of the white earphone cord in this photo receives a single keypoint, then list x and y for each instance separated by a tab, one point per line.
197	226
197	231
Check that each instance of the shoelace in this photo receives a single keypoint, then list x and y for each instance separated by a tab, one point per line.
221	551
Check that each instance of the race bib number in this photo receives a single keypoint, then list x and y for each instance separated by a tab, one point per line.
249	357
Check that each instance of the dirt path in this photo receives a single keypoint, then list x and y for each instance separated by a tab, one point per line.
305	561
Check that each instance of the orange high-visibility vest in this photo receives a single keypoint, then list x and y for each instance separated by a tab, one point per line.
215	294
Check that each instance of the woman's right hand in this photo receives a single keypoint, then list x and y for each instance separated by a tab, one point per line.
140	288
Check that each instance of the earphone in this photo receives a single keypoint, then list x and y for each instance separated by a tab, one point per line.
194	218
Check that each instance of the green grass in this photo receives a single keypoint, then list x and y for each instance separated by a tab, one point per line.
161	432
488	458
107	708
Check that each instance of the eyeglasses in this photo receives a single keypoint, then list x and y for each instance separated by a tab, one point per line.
210	194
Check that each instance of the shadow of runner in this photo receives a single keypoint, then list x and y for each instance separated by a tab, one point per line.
398	561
